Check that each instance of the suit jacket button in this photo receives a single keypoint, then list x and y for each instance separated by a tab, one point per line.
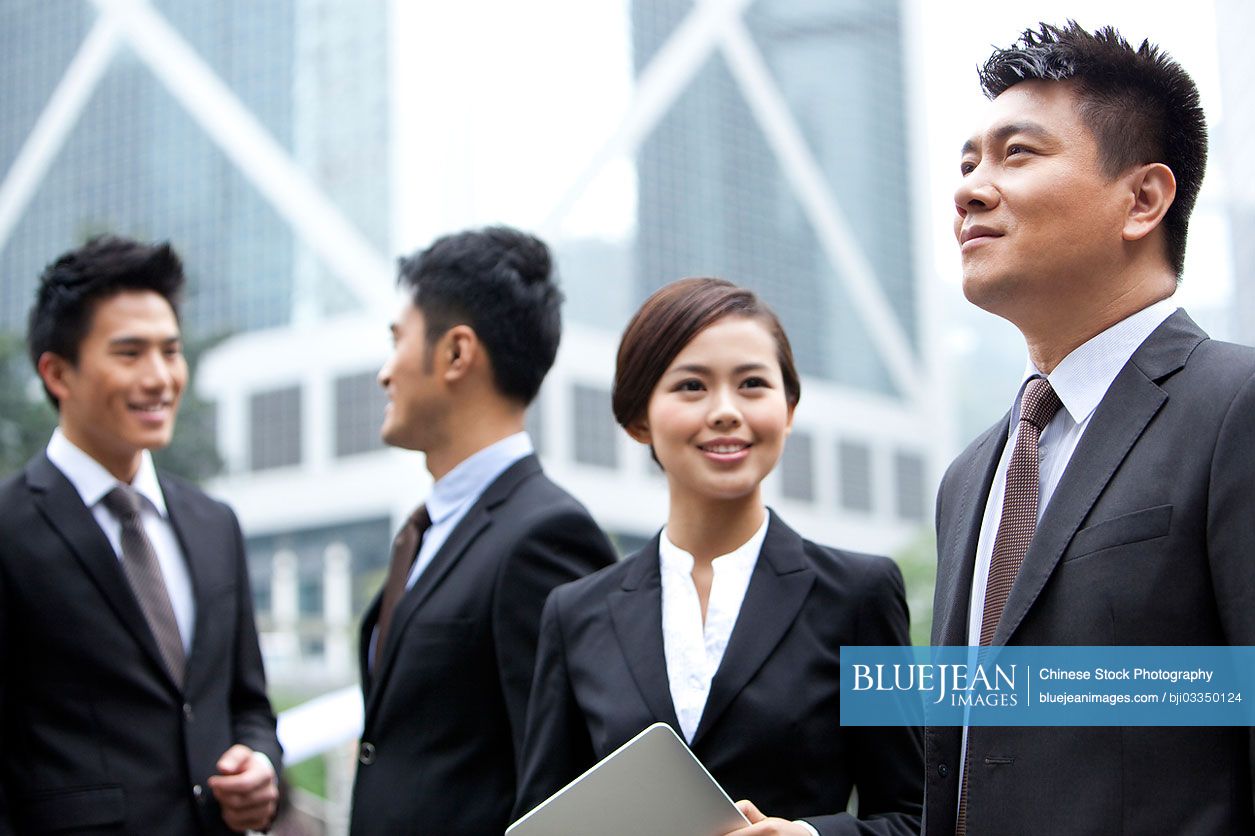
198	792
943	770
366	753
188	713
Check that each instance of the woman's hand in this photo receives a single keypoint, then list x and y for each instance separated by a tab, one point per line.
760	825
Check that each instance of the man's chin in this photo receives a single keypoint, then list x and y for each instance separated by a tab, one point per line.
397	437
155	440
989	293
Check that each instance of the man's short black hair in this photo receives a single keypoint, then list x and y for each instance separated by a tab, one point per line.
1141	106
72	286
499	281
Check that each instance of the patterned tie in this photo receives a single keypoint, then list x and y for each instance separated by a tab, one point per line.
1015	528
139	561
404	553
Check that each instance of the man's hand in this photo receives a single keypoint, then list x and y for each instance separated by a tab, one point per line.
760	825
246	789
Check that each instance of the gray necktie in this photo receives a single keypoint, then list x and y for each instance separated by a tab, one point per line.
139	561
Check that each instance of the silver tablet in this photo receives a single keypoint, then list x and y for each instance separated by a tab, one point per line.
650	786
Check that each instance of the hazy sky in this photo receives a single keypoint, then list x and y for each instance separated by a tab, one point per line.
502	104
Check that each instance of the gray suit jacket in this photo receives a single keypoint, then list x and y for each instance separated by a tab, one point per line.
1148	539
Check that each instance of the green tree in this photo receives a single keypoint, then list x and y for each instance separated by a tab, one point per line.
918	562
26	418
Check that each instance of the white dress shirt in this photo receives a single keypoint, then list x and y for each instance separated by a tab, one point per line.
694	650
93	482
1081	380
454	493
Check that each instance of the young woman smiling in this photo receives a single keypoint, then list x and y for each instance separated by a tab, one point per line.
728	625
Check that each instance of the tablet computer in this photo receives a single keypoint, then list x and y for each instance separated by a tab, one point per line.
650	786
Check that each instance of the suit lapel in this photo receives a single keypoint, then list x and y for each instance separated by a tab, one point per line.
201	553
65	512
464	534
778	586
475	521
370	619
957	553
636	612
1133	399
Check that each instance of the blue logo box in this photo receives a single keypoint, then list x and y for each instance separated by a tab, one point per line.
1048	686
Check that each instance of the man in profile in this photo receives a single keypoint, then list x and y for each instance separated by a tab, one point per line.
448	645
132	696
1113	504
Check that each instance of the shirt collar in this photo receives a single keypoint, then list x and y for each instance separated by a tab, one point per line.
92	481
1083	377
674	559
464	483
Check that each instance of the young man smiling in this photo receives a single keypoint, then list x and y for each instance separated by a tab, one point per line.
1112	505
132	697
448	645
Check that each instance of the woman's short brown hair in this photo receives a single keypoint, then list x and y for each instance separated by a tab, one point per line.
668	321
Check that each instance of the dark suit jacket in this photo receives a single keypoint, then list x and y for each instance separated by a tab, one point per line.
1147	540
94	734
447	699
771	728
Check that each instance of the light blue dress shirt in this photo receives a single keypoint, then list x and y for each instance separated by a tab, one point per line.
453	494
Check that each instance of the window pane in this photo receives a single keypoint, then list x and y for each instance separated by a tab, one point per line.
797	474
854	461
596	434
909	476
275	428
359	408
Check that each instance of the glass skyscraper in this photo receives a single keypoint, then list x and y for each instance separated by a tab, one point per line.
314	73
714	200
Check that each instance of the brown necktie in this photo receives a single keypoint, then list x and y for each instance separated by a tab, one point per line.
404	553
1015	528
139	562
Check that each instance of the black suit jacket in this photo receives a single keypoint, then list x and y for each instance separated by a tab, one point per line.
96	736
446	702
771	728
1147	540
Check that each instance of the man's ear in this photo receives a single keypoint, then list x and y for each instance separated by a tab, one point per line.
458	350
1153	188
53	369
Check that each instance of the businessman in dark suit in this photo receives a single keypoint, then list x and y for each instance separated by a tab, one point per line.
132	697
448	645
1112	506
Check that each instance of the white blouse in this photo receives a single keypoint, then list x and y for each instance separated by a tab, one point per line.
693	651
